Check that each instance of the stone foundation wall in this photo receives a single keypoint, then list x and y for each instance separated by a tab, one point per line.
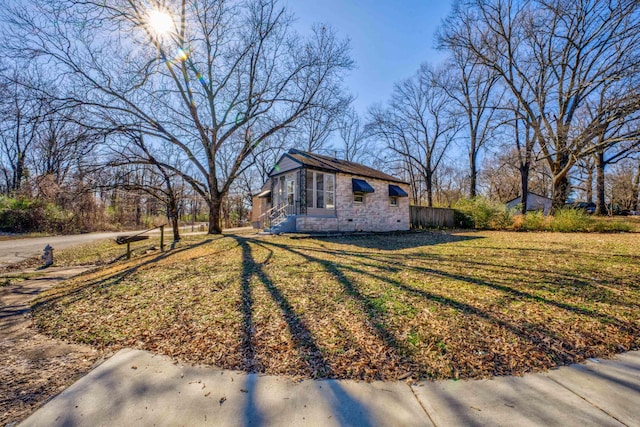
315	224
375	214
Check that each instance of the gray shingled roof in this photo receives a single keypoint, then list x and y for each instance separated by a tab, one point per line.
316	161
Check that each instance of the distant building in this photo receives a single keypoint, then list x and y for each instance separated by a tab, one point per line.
535	202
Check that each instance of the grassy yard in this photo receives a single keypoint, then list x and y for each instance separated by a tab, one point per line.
425	305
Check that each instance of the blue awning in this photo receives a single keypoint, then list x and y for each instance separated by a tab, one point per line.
395	191
361	186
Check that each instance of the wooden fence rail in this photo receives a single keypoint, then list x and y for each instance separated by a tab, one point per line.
425	217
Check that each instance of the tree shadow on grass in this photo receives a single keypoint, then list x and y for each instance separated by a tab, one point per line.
75	293
398	240
550	341
300	332
373	311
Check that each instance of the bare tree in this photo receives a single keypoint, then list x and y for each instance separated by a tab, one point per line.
316	127
418	126
23	113
473	88
562	52
353	135
62	146
217	83
624	179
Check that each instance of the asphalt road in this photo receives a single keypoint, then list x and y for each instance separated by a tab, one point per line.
15	250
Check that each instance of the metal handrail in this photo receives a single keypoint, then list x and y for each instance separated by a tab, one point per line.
275	212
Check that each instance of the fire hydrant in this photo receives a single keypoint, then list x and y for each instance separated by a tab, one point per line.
47	256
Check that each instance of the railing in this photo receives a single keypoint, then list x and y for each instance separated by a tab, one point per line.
275	216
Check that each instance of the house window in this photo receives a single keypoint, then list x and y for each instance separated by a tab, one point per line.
358	197
393	201
320	190
329	191
291	190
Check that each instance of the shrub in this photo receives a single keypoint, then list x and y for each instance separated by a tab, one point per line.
482	213
604	226
571	220
461	219
20	215
536	221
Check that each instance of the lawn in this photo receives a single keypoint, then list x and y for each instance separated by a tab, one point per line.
420	305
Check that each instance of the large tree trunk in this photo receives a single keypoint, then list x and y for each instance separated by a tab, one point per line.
524	186
215	205
601	207
560	192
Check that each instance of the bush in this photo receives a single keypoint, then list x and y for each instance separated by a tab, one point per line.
571	220
536	221
461	219
21	215
604	226
482	213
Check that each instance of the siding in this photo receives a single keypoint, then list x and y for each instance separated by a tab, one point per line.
284	165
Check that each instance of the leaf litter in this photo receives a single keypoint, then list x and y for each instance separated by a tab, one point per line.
380	307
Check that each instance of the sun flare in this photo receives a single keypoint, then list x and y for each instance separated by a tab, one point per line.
160	22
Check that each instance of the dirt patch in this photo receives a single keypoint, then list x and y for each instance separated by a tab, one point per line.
34	367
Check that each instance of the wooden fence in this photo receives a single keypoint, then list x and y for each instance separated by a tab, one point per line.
424	217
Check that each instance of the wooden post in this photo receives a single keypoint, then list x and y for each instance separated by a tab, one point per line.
128	250
162	238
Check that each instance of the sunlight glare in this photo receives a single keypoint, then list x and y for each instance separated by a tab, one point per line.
160	22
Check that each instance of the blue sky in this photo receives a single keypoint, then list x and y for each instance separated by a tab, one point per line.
389	39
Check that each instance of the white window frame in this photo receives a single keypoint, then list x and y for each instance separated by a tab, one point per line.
359	195
393	201
326	179
290	189
329	178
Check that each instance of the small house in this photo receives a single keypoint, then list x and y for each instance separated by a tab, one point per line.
308	192
535	202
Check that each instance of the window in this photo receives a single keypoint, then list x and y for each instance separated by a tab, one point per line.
329	190
320	190
291	190
358	197
393	201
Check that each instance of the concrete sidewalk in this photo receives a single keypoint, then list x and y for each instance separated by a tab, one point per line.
138	388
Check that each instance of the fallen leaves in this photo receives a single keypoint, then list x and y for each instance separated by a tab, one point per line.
419	305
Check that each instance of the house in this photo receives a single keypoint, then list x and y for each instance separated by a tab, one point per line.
308	192
535	202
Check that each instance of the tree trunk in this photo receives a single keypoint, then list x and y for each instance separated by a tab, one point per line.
636	189
473	174
174	218
601	206
215	205
589	184
18	173
429	184
560	193
524	186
